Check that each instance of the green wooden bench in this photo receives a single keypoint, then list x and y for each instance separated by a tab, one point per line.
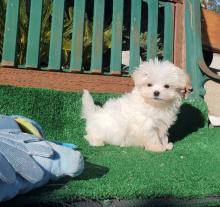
178	14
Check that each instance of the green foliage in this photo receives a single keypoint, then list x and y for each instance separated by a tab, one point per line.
87	39
45	30
22	32
143	45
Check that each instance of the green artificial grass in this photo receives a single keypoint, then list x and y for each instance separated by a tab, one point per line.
190	170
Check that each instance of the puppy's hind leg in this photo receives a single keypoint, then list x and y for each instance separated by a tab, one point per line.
155	148
94	141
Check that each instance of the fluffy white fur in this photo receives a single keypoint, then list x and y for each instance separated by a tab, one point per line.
143	116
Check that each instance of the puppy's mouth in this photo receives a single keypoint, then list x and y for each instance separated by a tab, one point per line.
158	98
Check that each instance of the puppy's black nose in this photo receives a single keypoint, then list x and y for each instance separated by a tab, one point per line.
156	93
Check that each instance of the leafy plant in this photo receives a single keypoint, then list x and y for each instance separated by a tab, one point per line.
24	12
143	45
87	38
45	32
22	32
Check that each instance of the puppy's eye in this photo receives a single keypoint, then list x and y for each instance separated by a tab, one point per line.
166	86
149	84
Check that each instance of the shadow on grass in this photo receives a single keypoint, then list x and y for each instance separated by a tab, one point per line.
189	120
25	200
92	171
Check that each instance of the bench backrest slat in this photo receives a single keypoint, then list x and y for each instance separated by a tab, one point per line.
117	30
56	37
77	36
152	34
97	36
34	33
135	34
168	31
10	33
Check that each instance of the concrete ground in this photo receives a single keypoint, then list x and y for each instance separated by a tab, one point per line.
212	96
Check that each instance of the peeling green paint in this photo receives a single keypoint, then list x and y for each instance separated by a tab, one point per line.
33	44
117	25
135	34
97	38
56	35
10	33
77	36
152	28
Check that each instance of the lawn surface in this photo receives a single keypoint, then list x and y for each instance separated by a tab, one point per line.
190	170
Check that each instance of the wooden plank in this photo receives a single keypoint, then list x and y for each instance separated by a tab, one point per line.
211	30
10	33
56	35
152	29
77	35
117	26
168	31
33	43
135	35
179	37
97	36
64	81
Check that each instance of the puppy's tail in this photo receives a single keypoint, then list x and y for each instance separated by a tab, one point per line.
88	106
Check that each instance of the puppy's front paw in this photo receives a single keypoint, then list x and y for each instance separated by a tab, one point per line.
97	144
155	148
169	146
94	141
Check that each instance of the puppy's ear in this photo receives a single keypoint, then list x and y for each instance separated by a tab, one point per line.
188	83
187	89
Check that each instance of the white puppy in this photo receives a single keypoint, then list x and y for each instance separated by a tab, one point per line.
143	116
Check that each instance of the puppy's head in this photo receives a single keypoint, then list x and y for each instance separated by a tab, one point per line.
161	82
